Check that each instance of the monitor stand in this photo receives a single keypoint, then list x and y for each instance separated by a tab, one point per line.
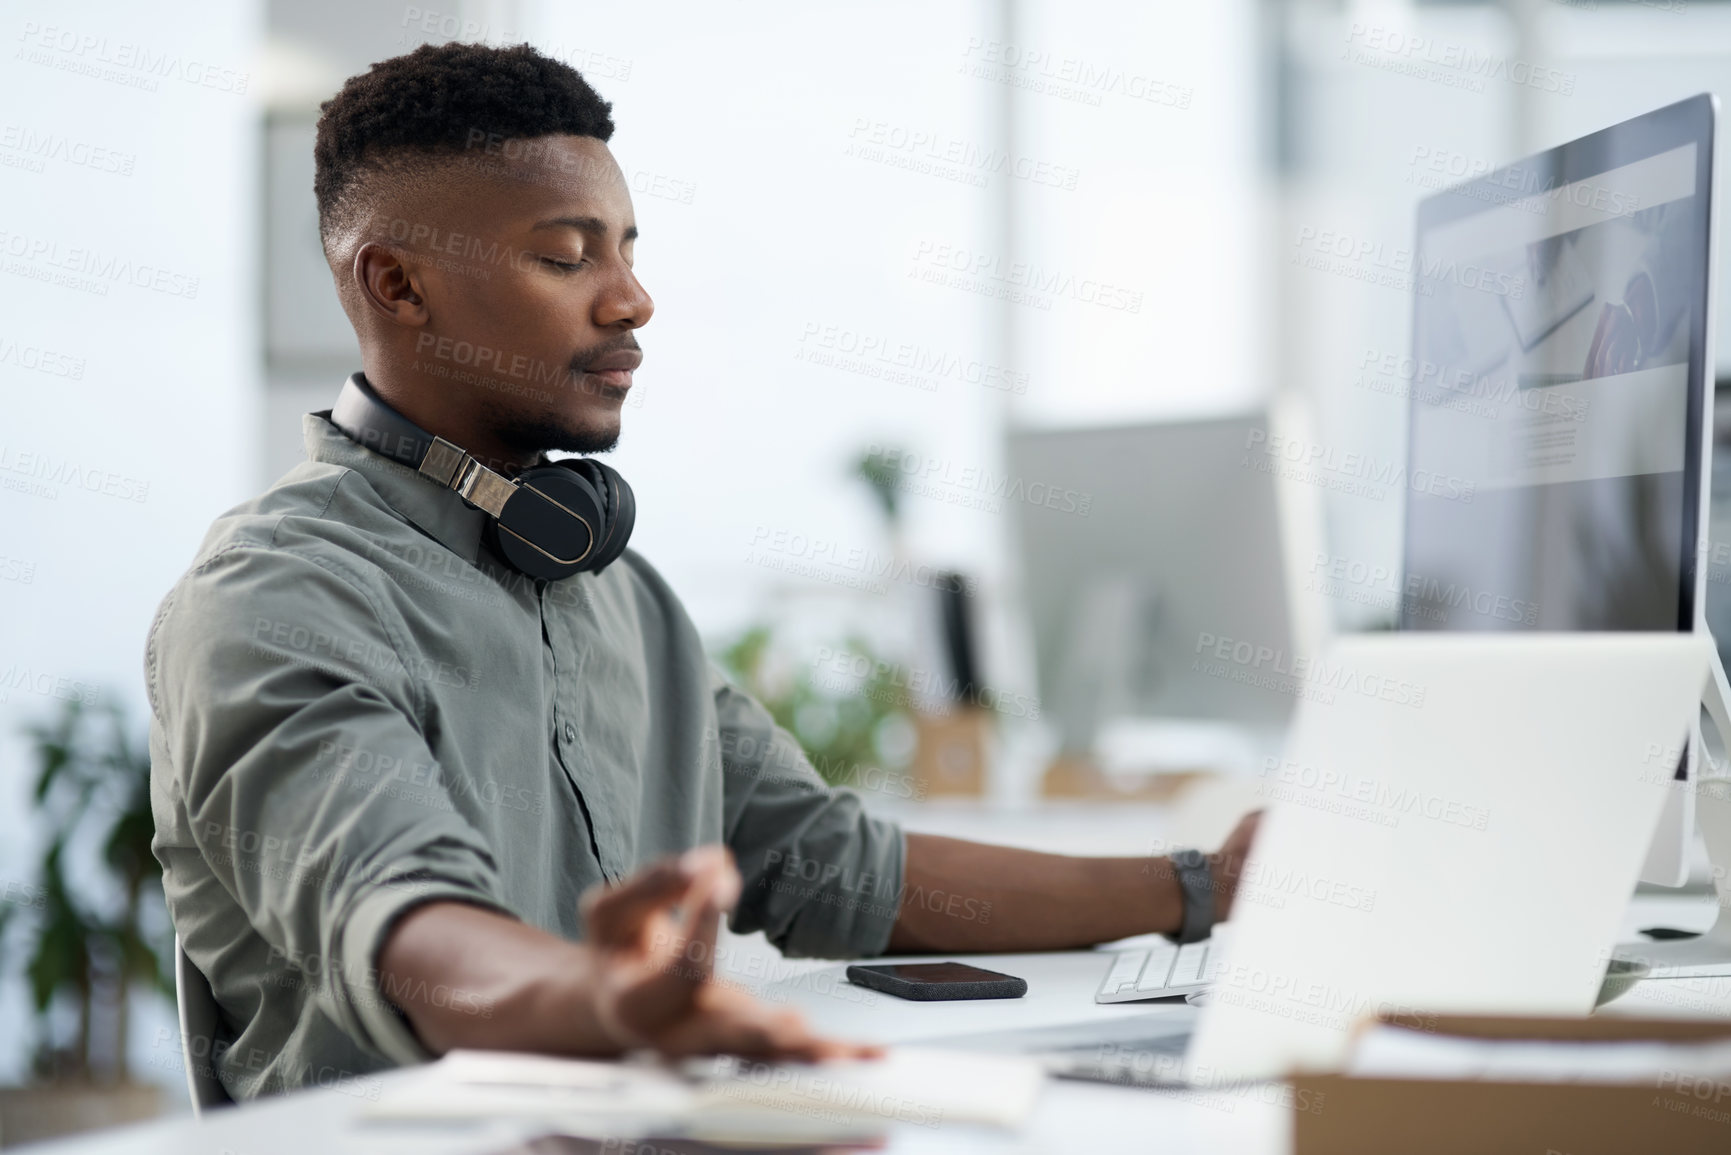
1709	954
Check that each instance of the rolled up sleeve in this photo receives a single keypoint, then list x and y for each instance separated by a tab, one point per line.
280	690
822	877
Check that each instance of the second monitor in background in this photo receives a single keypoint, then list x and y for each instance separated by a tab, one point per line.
1163	596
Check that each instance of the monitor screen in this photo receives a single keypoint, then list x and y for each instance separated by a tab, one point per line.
1145	601
1557	386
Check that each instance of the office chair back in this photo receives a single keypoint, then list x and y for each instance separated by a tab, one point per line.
198	1023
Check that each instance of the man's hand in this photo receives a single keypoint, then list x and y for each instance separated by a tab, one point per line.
1227	864
654	939
643	979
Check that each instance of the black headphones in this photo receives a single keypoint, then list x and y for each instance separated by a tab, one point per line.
550	522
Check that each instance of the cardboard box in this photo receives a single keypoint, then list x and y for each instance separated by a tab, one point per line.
1429	1117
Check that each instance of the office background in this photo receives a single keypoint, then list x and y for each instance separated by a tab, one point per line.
891	225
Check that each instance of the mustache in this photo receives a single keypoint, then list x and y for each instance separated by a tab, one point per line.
583	358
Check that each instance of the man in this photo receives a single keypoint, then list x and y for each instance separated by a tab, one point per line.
409	798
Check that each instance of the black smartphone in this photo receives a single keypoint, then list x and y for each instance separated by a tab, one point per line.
934	982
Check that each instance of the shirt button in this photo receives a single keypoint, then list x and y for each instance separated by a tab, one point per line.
570	732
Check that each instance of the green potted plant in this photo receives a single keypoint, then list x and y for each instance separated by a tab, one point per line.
854	736
93	928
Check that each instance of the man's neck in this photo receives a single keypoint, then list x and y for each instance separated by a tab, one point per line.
430	403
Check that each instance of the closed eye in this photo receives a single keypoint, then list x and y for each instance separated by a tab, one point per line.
563	266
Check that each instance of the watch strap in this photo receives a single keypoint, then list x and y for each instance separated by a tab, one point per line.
1196	884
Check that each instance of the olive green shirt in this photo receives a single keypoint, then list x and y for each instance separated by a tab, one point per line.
357	708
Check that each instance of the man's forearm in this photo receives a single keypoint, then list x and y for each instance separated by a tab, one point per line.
968	896
506	985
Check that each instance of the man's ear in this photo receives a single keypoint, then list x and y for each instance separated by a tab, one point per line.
387	285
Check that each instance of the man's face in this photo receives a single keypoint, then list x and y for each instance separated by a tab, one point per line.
524	262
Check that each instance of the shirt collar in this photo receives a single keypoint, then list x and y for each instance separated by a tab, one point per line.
435	510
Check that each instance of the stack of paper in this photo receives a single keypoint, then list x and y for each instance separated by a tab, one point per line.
722	1100
1395	1052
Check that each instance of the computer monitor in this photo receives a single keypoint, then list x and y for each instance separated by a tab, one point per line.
1561	404
1158	591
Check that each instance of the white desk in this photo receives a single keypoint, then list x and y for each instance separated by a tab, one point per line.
1069	1117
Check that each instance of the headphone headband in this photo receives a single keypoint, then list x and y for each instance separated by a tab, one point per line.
546	523
366	418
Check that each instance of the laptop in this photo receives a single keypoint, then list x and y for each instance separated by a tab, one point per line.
1456	826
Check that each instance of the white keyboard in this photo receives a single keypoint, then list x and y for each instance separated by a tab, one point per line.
1157	972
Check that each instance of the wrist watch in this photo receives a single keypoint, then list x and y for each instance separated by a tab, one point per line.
1196	883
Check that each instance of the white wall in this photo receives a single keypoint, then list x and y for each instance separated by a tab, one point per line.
109	476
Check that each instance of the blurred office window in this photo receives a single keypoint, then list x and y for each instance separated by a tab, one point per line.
1156	110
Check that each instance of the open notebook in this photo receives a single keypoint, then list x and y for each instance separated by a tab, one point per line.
721	1100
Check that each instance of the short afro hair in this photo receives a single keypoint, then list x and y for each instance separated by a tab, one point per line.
433	101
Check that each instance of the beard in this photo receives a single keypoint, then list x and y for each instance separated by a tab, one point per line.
558	432
532	435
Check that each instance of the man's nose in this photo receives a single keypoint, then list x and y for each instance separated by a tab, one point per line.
624	303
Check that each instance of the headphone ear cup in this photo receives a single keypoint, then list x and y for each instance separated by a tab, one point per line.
619	503
552	526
